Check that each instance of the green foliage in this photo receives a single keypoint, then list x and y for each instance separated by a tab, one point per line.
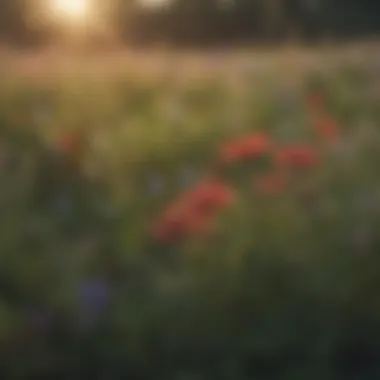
285	288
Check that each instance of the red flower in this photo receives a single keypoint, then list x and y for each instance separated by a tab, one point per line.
297	156
176	227
175	210
210	196
192	213
69	142
247	147
327	127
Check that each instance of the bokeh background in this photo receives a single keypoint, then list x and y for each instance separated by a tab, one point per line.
189	190
199	22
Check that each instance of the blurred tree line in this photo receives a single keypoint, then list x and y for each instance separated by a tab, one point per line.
214	21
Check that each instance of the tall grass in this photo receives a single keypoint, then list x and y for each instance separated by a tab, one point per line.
281	286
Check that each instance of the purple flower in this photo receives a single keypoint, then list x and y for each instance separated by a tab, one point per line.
94	295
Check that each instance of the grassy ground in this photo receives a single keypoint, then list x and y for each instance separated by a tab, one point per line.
269	270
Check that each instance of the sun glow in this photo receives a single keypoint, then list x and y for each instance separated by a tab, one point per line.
71	11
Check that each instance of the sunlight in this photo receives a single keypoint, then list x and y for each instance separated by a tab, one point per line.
69	11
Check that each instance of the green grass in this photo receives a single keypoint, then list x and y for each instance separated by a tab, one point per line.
283	289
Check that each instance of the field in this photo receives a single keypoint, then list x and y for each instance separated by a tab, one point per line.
190	217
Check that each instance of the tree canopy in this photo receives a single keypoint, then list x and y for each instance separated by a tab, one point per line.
213	21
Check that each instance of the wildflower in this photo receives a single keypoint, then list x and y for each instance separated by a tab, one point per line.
297	156
69	142
189	223
171	227
210	196
192	213
247	147
327	127
94	295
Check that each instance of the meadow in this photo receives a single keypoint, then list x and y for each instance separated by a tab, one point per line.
190	217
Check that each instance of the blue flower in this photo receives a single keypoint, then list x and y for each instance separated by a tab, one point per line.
94	297
94	293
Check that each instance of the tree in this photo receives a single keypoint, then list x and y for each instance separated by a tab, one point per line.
210	21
